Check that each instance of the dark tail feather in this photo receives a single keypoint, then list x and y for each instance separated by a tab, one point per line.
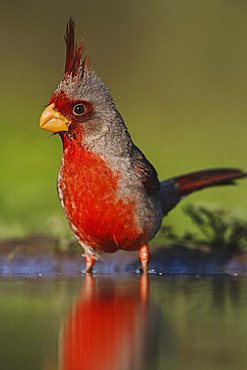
174	189
194	181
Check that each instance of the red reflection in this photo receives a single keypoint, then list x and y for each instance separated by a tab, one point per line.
106	328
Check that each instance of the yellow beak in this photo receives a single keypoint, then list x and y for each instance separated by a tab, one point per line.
52	120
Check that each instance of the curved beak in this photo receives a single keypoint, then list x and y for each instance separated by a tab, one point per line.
52	120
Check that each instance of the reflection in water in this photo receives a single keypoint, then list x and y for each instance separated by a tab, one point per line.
107	327
225	291
125	323
114	325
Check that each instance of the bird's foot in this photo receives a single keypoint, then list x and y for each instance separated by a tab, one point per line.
90	261
144	257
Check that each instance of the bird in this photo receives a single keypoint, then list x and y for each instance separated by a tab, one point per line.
109	191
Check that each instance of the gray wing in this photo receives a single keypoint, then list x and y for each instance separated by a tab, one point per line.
146	172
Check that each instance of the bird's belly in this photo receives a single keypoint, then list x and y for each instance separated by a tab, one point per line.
97	215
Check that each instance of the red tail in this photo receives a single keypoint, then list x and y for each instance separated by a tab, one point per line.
202	179
174	189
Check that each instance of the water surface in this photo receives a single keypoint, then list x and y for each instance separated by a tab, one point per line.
123	323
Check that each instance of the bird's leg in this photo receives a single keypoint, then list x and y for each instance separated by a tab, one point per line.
144	257
90	261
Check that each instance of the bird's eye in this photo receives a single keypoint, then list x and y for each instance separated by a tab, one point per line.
78	109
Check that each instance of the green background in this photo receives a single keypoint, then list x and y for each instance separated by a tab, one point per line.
177	70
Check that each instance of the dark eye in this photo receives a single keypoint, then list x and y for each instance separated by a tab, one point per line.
78	109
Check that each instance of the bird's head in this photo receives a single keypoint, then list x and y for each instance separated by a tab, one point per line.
81	105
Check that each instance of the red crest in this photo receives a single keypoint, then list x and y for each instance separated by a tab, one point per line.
73	51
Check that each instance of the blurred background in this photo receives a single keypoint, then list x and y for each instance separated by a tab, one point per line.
176	69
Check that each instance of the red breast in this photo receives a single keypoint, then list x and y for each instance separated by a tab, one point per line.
88	189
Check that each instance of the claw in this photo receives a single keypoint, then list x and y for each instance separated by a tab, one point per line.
144	257
90	261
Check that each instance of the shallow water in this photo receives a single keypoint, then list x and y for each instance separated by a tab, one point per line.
123	322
